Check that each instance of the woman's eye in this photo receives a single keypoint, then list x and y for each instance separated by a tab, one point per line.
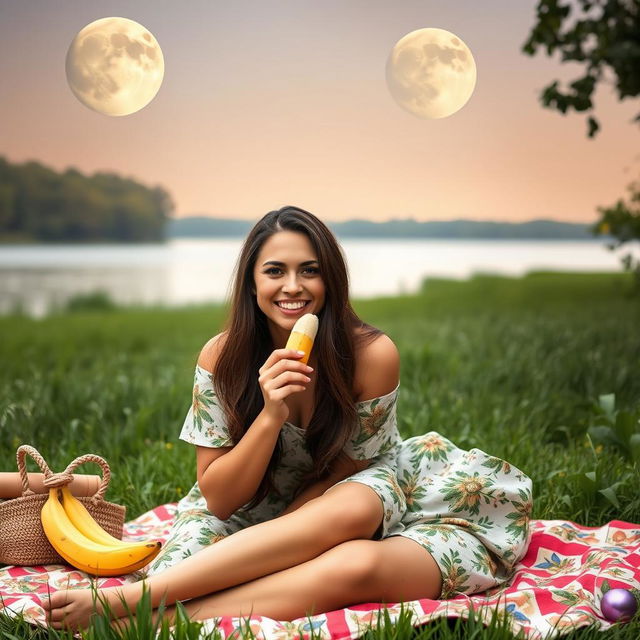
275	270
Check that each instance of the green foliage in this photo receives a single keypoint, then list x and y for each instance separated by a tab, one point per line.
485	624
622	222
616	428
603	37
94	301
39	204
143	624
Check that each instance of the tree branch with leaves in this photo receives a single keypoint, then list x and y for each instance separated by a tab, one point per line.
622	222
604	36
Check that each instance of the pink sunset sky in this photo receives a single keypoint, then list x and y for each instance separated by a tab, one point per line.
266	103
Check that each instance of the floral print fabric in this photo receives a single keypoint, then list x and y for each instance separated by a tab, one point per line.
377	433
205	424
556	588
374	438
469	510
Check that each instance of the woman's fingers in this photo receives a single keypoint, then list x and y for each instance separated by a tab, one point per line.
290	377
281	375
278	374
283	392
279	354
285	378
286	365
282	386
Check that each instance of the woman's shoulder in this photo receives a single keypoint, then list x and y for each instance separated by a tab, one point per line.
377	368
211	350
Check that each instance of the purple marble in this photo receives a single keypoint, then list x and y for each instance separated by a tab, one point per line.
618	605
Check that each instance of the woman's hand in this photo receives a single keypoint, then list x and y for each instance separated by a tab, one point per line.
280	376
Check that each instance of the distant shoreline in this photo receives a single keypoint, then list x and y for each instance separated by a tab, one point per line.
542	229
106	243
464	230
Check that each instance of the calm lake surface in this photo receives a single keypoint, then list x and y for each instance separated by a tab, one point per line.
39	278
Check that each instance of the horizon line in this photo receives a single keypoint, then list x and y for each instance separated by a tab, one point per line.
214	217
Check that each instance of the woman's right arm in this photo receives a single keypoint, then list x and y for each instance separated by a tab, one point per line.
228	477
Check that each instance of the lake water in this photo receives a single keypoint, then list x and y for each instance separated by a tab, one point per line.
183	271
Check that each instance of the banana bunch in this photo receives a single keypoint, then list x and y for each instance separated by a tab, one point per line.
84	544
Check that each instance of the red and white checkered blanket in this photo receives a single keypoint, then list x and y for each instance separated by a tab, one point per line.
557	586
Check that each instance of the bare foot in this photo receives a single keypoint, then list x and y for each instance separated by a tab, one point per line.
72	608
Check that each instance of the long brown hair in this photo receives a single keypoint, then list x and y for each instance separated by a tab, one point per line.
248	344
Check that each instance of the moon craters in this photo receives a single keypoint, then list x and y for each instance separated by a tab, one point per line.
114	66
431	73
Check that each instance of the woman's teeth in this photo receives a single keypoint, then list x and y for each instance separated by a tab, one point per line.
291	305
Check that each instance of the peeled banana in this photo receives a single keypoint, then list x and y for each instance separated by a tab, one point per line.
303	334
80	551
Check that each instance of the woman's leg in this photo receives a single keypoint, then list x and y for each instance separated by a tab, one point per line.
395	569
391	570
345	512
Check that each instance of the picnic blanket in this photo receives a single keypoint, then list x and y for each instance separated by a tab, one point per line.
556	588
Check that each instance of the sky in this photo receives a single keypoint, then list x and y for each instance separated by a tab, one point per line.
272	102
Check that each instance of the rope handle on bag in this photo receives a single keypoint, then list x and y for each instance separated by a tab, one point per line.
65	477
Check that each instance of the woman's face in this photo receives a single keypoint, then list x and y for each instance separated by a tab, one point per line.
287	274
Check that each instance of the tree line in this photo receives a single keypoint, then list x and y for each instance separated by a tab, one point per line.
203	226
39	204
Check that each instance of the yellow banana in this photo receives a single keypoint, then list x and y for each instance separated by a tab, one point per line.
85	554
84	522
303	334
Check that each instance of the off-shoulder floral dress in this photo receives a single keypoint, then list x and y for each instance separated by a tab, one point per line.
376	438
469	510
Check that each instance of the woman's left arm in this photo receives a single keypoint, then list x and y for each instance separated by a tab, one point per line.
377	374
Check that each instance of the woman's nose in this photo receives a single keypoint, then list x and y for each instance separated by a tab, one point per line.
292	283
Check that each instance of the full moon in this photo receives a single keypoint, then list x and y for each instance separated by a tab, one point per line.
115	66
431	73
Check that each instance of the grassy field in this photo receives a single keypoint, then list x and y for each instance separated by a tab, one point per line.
516	367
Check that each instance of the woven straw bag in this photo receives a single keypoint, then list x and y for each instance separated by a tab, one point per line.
22	538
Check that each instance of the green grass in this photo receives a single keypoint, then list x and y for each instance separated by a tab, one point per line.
513	366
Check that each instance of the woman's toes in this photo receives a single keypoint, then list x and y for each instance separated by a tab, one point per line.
54	600
56	615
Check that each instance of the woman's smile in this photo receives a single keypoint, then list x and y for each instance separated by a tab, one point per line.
293	308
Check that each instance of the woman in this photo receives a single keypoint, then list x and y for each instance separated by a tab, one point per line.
298	465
